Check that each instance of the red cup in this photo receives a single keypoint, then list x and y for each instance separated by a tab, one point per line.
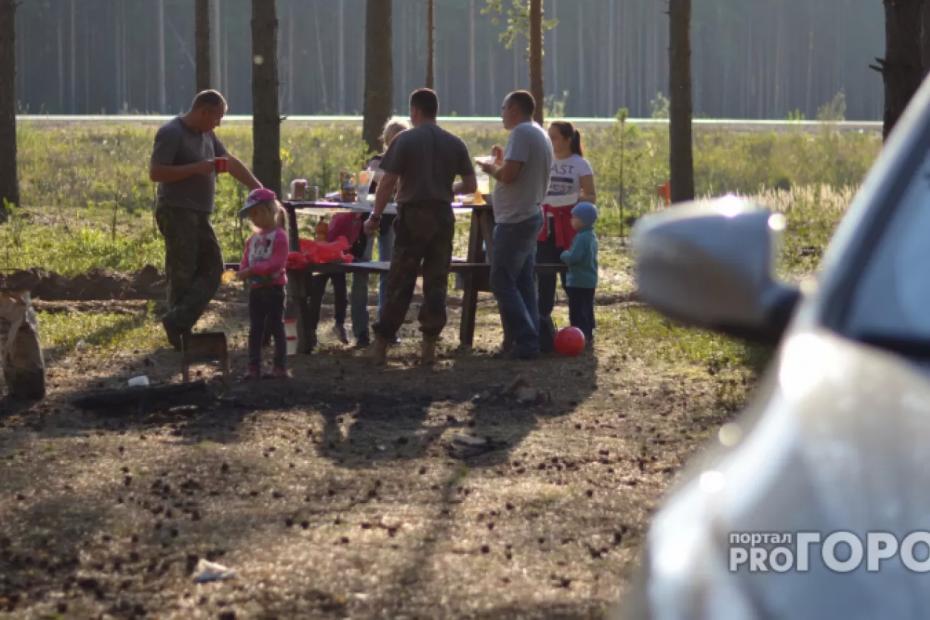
222	164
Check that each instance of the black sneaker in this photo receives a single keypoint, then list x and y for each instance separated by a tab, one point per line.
363	341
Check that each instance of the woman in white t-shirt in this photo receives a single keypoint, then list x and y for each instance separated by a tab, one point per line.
571	181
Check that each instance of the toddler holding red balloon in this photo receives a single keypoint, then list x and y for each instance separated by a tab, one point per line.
581	280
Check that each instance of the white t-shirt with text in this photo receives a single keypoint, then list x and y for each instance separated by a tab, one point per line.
565	180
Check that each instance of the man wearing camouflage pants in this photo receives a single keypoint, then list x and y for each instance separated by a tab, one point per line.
184	166
424	162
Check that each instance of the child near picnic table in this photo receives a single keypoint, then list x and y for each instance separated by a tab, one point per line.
348	225
263	266
581	279
392	129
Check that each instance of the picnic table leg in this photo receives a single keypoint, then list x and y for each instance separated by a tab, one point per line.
299	288
469	310
293	237
470	279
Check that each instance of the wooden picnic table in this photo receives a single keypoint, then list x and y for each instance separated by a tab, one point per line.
474	269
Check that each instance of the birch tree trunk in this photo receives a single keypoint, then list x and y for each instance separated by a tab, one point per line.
379	72
266	123
202	44
9	185
680	148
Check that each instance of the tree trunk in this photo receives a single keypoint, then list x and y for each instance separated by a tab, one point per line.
680	148
266	120
536	64
291	84
611	54
379	72
161	76
472	75
324	93
9	186
215	31
202	44
73	42
901	67
583	95
925	36
117	58
404	47
430	44
61	64
341	58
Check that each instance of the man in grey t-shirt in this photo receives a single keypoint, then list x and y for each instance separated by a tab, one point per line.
184	164
422	163
522	174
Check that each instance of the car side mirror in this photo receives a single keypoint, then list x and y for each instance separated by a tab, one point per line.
710	264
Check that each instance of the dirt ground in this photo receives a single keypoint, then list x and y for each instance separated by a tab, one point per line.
346	491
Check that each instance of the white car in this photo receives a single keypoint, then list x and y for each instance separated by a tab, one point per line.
816	501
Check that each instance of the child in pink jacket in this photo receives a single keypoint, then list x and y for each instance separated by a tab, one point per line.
264	267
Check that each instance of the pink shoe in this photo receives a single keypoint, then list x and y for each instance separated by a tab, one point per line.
253	374
280	373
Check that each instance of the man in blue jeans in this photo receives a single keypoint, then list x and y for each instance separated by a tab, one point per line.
522	174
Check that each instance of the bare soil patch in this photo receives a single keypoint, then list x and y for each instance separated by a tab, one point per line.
481	488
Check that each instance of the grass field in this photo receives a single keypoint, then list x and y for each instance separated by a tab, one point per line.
87	201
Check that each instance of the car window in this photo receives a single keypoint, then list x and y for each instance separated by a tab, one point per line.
891	302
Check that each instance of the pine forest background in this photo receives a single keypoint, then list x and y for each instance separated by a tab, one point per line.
751	59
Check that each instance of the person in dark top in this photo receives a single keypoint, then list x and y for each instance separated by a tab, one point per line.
186	159
424	162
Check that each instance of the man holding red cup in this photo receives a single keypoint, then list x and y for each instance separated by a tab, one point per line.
186	159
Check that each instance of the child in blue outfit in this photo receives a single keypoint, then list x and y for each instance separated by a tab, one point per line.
581	280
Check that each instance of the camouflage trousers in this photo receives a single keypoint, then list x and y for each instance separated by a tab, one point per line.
193	263
423	239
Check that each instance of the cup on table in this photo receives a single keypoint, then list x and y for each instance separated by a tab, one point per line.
298	189
221	164
484	181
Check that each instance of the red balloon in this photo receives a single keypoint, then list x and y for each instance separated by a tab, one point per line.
569	341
